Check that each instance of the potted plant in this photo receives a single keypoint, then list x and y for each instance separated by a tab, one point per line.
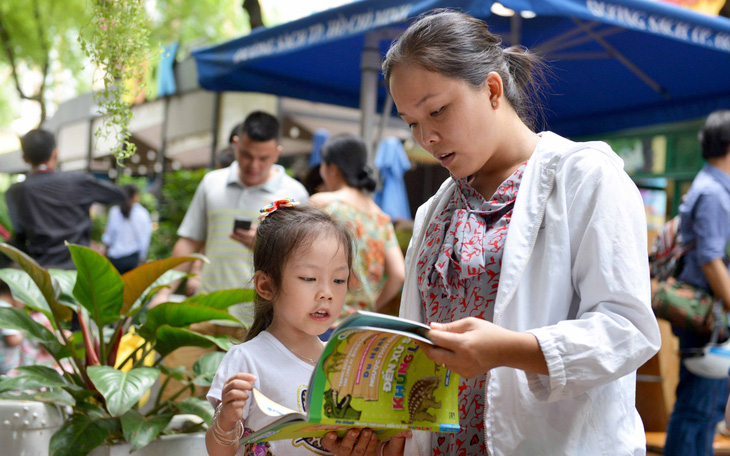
102	390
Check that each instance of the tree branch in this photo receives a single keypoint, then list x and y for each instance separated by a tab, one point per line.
8	48
253	8
46	54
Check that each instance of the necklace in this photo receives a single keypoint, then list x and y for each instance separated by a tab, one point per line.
311	361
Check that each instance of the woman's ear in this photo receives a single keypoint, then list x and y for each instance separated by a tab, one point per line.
264	286
494	84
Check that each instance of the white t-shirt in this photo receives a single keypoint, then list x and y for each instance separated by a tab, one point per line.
281	376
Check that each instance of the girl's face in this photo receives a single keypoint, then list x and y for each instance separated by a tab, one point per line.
447	117
313	287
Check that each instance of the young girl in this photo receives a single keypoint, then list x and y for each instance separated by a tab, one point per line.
303	260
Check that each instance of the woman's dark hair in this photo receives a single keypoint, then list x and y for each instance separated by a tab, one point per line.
126	207
460	46
715	135
349	154
277	236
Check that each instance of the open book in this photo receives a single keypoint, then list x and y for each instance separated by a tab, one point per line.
371	374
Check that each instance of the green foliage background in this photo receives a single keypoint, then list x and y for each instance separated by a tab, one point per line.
177	192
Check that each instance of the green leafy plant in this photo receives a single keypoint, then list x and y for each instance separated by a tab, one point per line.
104	392
117	39
177	192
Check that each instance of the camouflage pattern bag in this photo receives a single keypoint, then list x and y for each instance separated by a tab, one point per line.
687	307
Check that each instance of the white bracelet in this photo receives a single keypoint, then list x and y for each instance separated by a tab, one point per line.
221	436
382	447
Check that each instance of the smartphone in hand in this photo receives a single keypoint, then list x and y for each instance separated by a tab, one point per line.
242	223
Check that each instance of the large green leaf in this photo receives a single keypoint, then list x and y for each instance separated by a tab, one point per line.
223	299
140	278
122	389
51	396
169	339
205	368
24	289
31	378
179	314
195	406
163	281
81	434
176	372
17	319
66	280
12	318
41	278
98	286
140	430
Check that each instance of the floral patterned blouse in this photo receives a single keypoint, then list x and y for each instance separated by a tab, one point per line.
373	235
458	274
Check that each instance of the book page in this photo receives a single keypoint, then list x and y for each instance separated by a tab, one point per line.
270	407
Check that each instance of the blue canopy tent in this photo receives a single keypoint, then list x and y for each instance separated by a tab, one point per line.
613	64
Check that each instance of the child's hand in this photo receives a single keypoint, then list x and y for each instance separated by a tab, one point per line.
233	399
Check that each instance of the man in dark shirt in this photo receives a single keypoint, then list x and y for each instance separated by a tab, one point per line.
51	207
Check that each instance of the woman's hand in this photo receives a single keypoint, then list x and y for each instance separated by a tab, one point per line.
473	346
363	442
233	398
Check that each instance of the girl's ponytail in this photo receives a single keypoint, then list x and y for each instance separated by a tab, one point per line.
263	316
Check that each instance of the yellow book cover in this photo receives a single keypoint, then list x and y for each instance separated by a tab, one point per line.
371	374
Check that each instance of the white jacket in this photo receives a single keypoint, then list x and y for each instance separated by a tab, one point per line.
574	274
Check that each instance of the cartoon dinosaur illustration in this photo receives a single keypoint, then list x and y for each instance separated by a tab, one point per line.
420	399
341	409
333	363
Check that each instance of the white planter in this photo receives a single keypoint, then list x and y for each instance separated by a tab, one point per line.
174	445
26	427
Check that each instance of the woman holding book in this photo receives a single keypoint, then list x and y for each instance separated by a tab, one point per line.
529	262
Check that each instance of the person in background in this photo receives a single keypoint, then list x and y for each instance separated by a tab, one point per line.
705	220
49	207
248	184
529	263
303	260
10	339
128	232
240	190
225	157
379	267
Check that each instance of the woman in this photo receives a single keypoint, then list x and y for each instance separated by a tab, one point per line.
379	266
128	232
529	262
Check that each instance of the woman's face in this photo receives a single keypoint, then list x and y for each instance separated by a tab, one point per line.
448	118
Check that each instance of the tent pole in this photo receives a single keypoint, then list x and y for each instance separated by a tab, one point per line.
369	67
387	107
515	29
